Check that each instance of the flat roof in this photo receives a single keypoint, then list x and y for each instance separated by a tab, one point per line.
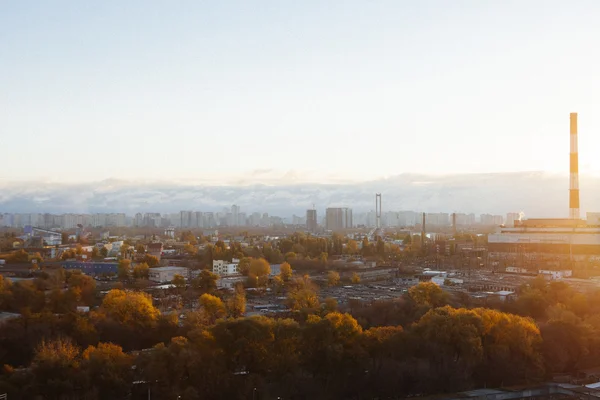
164	269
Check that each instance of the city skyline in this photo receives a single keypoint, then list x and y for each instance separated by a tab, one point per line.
383	89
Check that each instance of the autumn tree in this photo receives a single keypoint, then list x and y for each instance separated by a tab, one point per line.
352	247
56	368
82	286
141	271
355	278
151	260
285	272
108	370
178	281
428	294
236	305
212	307
244	265
130	308
206	281
260	267
333	278
124	269
303	294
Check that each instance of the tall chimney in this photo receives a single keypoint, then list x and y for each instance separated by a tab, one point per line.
574	171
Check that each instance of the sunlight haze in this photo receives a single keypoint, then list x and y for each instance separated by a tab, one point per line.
219	90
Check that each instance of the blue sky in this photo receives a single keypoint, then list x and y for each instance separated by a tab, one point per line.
199	90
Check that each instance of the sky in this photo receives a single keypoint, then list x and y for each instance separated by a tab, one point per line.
317	90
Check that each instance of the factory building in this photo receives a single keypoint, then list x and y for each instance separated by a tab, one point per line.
555	243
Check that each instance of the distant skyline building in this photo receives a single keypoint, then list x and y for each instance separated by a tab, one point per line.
311	220
338	218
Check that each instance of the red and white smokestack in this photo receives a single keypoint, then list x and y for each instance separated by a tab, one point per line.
574	171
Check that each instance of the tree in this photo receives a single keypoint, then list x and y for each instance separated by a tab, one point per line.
428	294
151	260
236	305
104	252
212	306
206	281
190	249
285	272
330	305
140	249
303	294
95	253
55	368
290	256
125	248
124	269
260	267
130	308
355	278
108	370
351	247
82	286
141	271
178	281
244	266
333	278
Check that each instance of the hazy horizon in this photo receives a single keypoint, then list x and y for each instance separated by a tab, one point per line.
538	194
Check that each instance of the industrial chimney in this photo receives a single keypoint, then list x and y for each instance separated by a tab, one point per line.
574	171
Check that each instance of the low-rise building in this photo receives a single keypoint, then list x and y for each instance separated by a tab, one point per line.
567	273
155	249
223	267
166	274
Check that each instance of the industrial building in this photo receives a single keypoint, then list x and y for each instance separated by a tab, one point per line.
166	274
553	243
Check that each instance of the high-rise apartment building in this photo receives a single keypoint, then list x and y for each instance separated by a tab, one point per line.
338	218
311	220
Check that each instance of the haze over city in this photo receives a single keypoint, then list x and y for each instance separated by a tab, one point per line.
232	91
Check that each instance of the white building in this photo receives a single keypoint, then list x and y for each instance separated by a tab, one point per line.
222	267
567	273
166	274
